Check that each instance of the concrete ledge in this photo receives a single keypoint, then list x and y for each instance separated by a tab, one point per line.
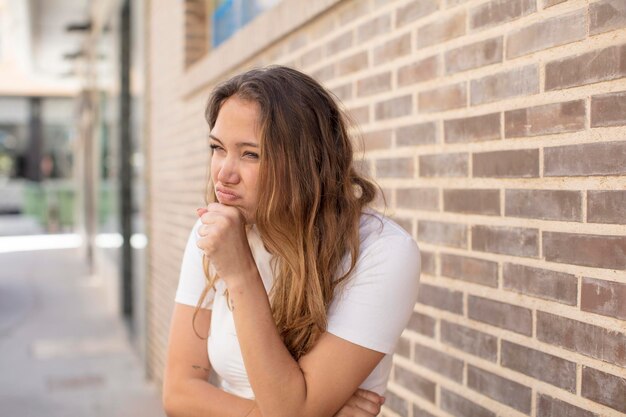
266	29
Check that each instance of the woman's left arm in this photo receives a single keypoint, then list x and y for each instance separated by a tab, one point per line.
316	385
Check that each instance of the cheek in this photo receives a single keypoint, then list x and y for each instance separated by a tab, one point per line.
252	180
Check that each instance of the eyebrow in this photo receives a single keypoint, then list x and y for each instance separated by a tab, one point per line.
239	144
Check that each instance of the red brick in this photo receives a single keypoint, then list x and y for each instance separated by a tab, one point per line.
298	42
373	28
354	63
546	119
519	163
325	73
443	98
394	107
403	348
597	251
603	297
343	92
471	201
415	135
397	404
339	43
547	33
439	362
472	129
501	389
467	269
542	283
446	234
606	15
379	139
311	57
441	298
470	341
374	84
522	81
606	158
423	324
603	388
420	412
420	71
592	67
360	115
441	30
416	384
475	55
428	263
550	3
503	315
497	12
443	165
394	168
606	207
608	109
413	11
539	365
544	204
583	338
551	407
393	49
461	407
354	11
418	198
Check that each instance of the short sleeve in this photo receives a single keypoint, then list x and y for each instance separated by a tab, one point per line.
377	301
192	281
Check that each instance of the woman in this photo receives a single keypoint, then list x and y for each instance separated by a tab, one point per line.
301	290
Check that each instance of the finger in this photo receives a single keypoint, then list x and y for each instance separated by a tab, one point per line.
217	207
370	395
367	405
223	208
201	211
353	411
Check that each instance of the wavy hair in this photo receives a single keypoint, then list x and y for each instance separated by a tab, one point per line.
311	197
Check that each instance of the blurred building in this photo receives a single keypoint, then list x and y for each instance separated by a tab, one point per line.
37	90
71	126
110	153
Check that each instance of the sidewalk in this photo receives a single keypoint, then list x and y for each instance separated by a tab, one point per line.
63	351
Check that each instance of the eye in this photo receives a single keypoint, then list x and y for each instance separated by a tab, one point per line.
251	155
215	147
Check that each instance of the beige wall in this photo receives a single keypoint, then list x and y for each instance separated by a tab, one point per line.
497	130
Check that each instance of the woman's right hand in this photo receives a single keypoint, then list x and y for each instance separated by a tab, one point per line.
363	403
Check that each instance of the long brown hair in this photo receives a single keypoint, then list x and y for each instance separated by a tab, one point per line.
311	197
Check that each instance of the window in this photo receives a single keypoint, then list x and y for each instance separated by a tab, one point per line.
208	23
231	15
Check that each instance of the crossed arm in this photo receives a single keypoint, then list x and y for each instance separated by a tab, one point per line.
186	392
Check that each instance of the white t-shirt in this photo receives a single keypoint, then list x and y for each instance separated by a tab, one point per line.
371	308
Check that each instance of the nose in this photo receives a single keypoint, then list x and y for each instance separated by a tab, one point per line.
228	171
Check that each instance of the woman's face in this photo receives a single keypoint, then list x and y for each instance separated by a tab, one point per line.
234	141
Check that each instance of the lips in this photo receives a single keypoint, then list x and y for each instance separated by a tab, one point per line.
225	195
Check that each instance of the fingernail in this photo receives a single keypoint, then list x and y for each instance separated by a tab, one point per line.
201	211
382	401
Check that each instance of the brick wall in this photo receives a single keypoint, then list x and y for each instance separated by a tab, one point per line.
497	129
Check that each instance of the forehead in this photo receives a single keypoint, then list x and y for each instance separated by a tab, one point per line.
237	117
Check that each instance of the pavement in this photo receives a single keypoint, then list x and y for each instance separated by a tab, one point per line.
64	350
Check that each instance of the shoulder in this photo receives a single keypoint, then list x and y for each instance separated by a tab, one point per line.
383	238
